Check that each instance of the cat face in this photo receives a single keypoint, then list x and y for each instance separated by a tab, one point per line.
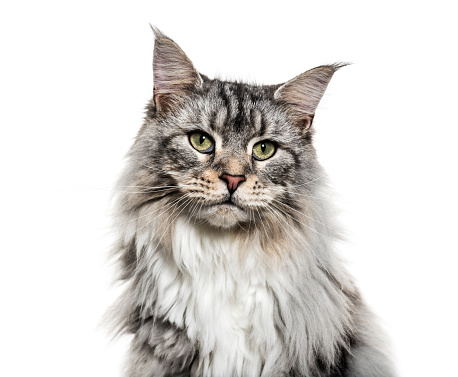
226	154
230	151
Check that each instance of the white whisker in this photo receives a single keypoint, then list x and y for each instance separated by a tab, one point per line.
300	222
284	190
262	222
303	214
279	221
149	222
149	213
193	209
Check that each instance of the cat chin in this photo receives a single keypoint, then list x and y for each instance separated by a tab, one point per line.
224	216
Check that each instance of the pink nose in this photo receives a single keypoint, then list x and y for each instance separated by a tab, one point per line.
232	181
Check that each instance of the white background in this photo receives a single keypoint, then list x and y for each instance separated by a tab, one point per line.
75	77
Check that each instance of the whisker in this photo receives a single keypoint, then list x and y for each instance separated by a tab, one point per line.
149	222
284	190
262	222
300	222
270	225
193	209
249	216
185	204
278	218
109	188
147	189
200	208
177	206
149	213
303	214
241	227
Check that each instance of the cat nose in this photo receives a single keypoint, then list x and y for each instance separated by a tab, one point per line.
232	181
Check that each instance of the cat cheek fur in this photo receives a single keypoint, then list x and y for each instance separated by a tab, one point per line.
215	291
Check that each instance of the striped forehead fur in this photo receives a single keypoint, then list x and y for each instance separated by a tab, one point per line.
251	289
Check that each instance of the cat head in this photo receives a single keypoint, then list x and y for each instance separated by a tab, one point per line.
225	154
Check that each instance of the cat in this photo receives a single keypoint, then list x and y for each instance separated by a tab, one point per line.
227	238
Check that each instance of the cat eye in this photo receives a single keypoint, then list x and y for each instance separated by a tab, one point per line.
201	142
263	150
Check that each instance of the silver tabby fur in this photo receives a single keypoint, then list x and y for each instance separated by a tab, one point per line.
251	289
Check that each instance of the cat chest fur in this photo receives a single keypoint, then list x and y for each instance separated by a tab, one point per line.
226	306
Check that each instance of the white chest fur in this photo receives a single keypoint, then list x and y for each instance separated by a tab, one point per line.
225	305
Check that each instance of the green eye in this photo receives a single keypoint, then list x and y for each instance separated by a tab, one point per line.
263	150
202	142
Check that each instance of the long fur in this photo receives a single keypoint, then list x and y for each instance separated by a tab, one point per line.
253	291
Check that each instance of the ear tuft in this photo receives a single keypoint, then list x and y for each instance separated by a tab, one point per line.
174	74
303	93
157	33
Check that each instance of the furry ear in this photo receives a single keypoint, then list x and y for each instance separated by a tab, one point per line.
174	74
303	93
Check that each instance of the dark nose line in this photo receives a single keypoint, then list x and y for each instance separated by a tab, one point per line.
233	181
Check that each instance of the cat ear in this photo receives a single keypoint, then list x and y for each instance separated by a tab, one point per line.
174	74
303	93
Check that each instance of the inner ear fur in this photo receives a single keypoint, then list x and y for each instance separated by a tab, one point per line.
174	74
303	93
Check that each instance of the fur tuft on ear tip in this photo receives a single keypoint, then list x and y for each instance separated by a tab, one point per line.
336	66
157	33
